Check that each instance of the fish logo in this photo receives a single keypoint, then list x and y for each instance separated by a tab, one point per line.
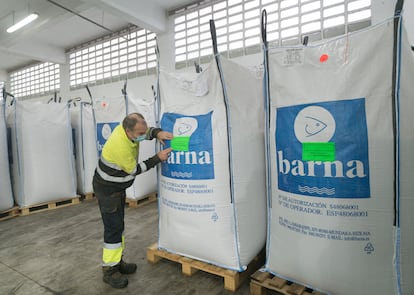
314	124
185	126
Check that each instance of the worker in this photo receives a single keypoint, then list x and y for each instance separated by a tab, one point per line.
116	170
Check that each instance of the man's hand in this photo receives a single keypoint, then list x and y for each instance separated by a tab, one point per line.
164	135
163	155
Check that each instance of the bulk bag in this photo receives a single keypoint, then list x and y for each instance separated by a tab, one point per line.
43	160
83	124
109	113
341	163
145	183
212	201
6	194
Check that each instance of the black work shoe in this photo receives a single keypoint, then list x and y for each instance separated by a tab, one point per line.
127	268
113	277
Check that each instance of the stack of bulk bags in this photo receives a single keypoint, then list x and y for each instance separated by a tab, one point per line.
341	163
43	160
212	202
6	195
83	123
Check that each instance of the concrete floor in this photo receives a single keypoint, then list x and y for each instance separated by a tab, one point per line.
59	252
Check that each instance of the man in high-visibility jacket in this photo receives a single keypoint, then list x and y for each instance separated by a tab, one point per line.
116	171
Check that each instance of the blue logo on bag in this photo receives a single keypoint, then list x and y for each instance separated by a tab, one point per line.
103	131
192	155
339	125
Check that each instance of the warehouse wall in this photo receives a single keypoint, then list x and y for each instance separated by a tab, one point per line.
141	86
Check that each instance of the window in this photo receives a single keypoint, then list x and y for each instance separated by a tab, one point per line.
238	24
42	78
129	53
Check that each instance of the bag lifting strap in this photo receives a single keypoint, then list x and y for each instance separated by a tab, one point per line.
226	105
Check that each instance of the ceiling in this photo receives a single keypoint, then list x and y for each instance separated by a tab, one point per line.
57	29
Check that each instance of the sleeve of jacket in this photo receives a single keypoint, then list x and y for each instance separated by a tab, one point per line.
147	164
152	132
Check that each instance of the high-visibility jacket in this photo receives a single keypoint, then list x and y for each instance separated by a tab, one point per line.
118	164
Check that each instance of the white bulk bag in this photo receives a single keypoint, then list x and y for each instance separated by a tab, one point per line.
212	202
109	113
43	160
145	183
6	194
83	123
338	143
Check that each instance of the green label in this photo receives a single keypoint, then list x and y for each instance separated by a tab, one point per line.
318	151
180	143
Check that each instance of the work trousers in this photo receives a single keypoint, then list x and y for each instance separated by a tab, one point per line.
112	207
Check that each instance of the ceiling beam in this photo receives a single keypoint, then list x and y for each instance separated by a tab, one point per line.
143	13
3	75
37	51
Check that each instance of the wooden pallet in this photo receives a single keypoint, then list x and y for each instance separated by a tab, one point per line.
232	279
262	281
88	196
9	213
49	206
141	202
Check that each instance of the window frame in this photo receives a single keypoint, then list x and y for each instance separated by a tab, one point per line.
127	54
35	80
237	25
